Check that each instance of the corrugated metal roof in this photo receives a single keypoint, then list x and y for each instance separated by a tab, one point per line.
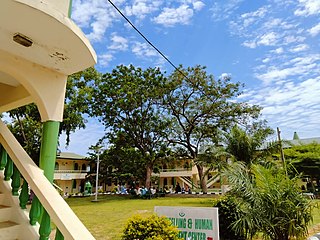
295	142
70	155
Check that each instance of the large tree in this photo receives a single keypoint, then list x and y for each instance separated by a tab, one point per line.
126	100
121	161
199	107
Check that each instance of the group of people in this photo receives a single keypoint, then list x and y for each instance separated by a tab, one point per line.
177	189
142	191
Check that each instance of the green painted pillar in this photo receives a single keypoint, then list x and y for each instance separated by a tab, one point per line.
59	235
4	157
8	171
24	195
16	181
48	153
35	211
70	8
48	150
45	227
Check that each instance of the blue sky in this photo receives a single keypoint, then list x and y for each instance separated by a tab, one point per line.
270	45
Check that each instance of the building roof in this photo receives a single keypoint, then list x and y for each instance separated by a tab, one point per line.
294	142
70	155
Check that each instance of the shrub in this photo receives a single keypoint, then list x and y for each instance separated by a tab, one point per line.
269	202
229	213
150	228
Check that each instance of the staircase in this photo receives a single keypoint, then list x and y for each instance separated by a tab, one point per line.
46	205
14	222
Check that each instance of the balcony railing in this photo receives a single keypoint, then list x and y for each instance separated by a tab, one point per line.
176	172
70	174
71	171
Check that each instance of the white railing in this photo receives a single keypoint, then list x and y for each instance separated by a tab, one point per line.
176	170
61	214
70	171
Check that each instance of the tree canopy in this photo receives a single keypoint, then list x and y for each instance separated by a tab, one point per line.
126	100
200	107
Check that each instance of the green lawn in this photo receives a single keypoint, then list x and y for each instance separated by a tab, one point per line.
315	225
105	219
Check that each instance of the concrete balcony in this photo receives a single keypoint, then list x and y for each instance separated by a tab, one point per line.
177	172
69	174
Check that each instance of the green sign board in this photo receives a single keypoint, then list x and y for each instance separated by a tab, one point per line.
194	223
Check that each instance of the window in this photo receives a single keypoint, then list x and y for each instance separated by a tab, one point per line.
74	184
76	166
84	167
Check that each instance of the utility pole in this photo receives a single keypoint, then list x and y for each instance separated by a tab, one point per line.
97	179
97	150
281	152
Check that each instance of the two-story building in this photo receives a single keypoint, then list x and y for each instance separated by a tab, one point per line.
70	172
185	174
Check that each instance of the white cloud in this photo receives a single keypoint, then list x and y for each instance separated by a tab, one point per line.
225	76
260	13
299	48
266	60
105	59
314	31
118	43
292	106
243	23
268	39
308	7
250	44
273	22
299	66
198	5
95	16
141	8
172	16
278	50
222	11
143	50
293	39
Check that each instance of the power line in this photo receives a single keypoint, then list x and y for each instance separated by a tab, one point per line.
146	39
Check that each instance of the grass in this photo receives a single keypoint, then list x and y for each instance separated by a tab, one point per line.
315	225
106	218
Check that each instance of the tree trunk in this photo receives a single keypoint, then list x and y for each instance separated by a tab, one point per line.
203	182
148	176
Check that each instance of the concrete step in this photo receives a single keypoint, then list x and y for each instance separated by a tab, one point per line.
9	230
5	213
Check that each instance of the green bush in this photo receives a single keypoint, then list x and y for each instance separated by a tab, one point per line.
268	202
229	213
150	228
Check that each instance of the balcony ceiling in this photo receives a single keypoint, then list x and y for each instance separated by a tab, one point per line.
57	43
